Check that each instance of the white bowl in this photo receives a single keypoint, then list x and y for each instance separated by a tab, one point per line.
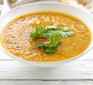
83	15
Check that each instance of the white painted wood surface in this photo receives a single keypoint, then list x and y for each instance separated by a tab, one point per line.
46	83
78	72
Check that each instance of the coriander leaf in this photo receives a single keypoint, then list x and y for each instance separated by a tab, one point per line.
39	44
64	29
54	26
50	49
69	33
39	32
65	32
54	40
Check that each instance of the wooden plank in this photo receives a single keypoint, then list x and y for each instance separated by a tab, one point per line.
73	70
46	82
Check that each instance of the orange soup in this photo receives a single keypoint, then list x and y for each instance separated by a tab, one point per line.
16	40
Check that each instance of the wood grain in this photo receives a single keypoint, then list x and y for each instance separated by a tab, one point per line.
75	70
46	82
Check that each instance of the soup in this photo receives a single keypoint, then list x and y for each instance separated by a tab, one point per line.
16	40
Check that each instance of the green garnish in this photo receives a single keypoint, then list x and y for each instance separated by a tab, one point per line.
39	32
39	44
52	34
65	32
49	49
54	26
54	39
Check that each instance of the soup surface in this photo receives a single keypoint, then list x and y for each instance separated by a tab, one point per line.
16	40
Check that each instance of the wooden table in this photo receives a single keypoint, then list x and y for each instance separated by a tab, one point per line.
77	72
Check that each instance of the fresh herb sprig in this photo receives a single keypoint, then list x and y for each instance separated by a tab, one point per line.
52	34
